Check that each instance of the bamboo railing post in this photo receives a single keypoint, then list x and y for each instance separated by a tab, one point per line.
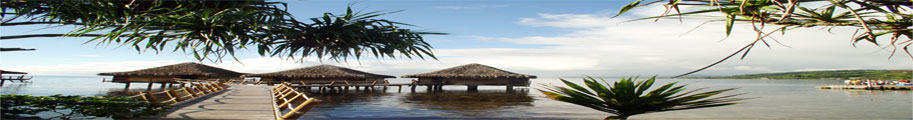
212	88
218	86
147	96
189	92
294	99
174	96
301	109
204	88
199	90
215	87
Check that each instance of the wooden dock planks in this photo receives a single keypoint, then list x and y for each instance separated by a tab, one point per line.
238	102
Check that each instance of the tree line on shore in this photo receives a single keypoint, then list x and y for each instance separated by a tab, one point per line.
830	74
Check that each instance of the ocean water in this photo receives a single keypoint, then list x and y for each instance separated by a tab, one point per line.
772	99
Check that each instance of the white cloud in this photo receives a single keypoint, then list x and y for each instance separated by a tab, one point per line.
645	47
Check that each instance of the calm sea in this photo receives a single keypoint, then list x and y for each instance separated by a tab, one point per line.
774	99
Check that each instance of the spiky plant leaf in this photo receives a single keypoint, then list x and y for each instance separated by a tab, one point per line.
628	96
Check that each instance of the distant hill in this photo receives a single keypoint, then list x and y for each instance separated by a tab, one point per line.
831	74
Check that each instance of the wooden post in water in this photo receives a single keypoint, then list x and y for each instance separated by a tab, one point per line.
472	88
347	85
510	88
413	86
127	86
320	89
149	87
386	82
372	85
332	88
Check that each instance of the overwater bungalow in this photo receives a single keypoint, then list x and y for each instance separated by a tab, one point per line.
473	75
319	74
169	73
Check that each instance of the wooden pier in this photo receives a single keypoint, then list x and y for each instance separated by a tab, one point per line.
867	87
218	101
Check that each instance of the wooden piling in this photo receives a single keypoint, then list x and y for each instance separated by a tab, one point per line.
127	86
472	87
149	87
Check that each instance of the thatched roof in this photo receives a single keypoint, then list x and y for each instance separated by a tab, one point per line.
320	71
11	72
188	68
470	71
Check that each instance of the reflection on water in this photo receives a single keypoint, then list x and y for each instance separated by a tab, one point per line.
331	100
14	88
476	104
463	101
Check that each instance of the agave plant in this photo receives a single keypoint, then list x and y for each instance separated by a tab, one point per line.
627	97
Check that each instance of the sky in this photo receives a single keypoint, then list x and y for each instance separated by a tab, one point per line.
548	38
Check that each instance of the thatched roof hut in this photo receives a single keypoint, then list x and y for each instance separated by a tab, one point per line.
473	74
320	73
188	70
474	70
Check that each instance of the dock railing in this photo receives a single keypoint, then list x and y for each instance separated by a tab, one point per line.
176	95
290	104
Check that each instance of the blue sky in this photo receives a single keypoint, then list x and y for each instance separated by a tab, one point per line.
542	37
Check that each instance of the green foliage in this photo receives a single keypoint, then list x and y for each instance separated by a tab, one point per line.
628	97
834	74
77	107
213	29
872	18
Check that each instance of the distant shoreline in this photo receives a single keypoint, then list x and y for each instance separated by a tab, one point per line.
824	75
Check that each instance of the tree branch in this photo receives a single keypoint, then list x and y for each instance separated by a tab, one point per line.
46	35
